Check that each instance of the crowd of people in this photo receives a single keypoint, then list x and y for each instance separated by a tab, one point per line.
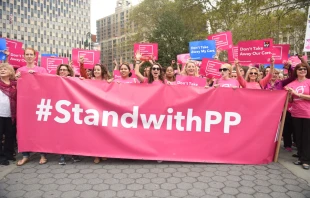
297	83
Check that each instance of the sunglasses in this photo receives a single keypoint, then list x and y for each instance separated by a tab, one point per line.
302	69
223	69
253	73
156	68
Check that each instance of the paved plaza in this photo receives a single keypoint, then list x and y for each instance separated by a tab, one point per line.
131	178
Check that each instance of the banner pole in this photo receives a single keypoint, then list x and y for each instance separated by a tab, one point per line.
276	156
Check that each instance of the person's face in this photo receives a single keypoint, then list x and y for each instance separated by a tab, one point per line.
275	75
267	71
97	71
88	72
63	71
124	71
302	72
233	75
190	69
241	71
169	72
156	71
253	74
260	75
29	56
4	72
147	71
224	71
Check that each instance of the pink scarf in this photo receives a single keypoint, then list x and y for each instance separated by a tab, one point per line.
10	91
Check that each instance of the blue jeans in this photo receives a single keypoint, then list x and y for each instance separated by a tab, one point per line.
27	154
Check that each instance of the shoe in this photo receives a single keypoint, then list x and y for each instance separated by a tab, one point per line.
76	159
305	166
289	149
295	155
297	162
22	161
97	160
62	161
12	158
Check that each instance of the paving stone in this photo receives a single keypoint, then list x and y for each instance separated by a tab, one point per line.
33	194
16	193
262	189
174	180
213	191
293	188
278	195
125	193
295	194
261	195
232	184
89	194
31	181
179	193
143	193
161	193
184	186
168	186
196	192
71	194
15	187
230	191
63	181
241	195
246	190
151	186
278	188
107	194
218	185
52	194
83	187
127	181
32	187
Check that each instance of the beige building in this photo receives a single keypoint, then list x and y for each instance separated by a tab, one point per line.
112	34
49	26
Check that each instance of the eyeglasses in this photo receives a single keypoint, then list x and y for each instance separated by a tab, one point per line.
223	69
253	73
156	68
302	69
63	70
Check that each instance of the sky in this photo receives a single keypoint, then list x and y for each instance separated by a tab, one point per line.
103	8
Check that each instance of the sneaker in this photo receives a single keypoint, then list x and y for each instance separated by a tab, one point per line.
76	159
62	161
289	149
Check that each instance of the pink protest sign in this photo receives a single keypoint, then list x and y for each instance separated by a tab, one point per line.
233	54
91	57
280	53
13	44
190	81
117	74
51	64
255	51
147	50
210	68
223	40
17	59
295	60
183	58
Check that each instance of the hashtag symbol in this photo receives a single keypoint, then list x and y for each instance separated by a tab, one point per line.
44	109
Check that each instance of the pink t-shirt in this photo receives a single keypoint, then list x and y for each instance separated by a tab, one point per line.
228	82
37	69
155	82
254	85
300	107
126	80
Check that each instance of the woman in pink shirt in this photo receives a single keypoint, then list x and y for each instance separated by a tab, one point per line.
156	75
30	56
299	91
225	80
125	75
169	75
251	78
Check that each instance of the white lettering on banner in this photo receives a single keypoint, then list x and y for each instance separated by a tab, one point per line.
130	119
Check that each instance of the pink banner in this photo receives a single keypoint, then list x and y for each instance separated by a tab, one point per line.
295	60
51	63
190	81
117	74
233	54
17	59
186	124
13	44
210	68
183	58
223	40
280	53
255	51
91	57
147	50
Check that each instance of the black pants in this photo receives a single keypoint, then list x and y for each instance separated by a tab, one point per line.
302	130
288	131
8	129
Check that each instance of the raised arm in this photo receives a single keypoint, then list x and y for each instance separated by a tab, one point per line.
137	67
240	78
263	82
302	59
82	68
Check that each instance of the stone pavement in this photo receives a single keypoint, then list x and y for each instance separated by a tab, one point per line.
130	178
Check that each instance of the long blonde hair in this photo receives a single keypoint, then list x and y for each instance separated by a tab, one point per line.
247	76
184	72
10	68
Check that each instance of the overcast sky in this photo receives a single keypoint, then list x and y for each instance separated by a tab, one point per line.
102	8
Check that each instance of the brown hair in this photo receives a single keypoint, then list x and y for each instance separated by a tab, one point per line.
70	70
150	78
104	72
30	48
127	65
299	66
